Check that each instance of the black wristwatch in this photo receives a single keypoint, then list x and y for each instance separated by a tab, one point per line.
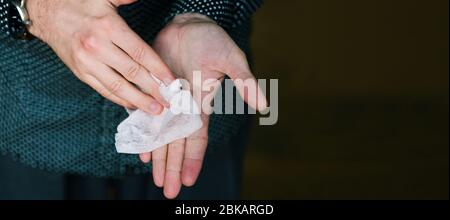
18	20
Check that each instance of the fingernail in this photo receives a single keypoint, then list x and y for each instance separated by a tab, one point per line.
262	104
144	158
155	107
166	104
262	101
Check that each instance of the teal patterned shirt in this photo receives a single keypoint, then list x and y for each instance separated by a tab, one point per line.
51	120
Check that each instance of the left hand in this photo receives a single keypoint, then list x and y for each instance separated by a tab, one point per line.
192	42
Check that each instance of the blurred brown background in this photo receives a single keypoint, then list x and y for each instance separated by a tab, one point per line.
363	92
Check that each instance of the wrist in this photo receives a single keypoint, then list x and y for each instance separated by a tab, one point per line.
32	7
42	14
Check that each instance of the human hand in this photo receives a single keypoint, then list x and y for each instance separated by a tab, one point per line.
194	42
101	50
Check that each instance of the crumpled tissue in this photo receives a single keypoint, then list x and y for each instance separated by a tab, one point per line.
142	132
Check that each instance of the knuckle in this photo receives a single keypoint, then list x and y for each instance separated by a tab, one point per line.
87	42
128	105
105	23
105	93
115	86
132	72
177	146
198	138
138	54
173	168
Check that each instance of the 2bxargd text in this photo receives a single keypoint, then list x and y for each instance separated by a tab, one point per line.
234	209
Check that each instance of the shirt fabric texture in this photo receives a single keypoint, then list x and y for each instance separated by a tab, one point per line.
52	121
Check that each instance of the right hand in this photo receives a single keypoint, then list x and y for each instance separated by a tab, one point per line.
101	50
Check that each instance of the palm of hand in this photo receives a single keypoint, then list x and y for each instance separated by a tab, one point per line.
197	45
188	45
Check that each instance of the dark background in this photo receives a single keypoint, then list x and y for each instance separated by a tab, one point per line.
363	93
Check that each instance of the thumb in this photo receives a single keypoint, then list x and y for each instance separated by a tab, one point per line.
237	68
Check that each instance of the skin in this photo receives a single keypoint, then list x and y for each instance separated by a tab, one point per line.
194	42
102	51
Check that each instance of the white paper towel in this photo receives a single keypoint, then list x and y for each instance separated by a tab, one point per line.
142	132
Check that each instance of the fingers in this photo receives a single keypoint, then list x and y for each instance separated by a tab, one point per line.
141	52
180	162
131	70
250	91
97	86
172	180
120	87
96	52
159	165
196	145
167	163
145	157
236	67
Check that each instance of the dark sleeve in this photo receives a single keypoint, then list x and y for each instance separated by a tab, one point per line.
4	6
227	13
